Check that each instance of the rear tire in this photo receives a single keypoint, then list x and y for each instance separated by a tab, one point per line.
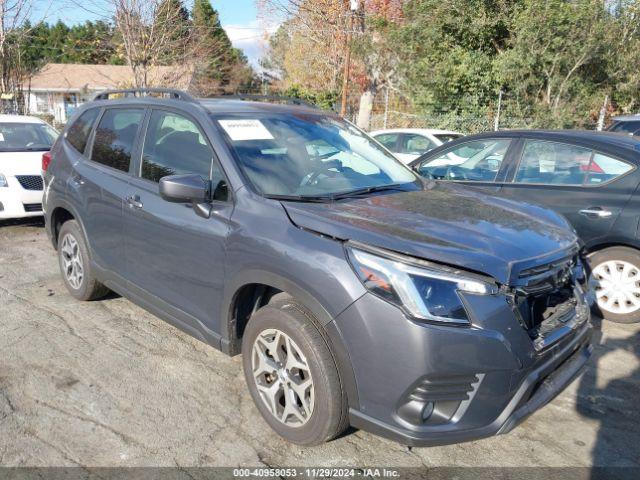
75	264
292	374
615	278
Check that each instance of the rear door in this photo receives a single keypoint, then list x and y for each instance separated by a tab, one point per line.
588	187
100	183
480	163
175	256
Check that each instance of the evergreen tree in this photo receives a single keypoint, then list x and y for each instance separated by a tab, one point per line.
225	67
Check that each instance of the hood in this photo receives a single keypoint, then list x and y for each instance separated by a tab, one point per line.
20	163
446	224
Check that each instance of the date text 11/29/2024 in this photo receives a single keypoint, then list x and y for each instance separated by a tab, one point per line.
316	472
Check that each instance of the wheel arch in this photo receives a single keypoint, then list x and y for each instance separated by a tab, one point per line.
61	213
244	287
612	243
247	286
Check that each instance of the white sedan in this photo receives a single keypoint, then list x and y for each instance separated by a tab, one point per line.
407	144
23	140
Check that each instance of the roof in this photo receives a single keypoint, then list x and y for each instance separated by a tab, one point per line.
223	105
19	119
74	77
627	118
427	131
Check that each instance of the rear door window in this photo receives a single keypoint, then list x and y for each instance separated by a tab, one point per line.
79	131
553	163
115	137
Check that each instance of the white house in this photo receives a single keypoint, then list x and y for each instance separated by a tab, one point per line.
59	88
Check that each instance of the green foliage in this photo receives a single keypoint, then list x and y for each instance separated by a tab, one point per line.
90	42
447	53
226	66
172	17
554	59
326	100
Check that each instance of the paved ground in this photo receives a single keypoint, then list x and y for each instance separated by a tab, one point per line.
107	384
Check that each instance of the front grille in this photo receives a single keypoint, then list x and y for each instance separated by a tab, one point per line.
32	207
546	300
30	182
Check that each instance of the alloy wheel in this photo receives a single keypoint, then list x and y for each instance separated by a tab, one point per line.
283	377
72	261
617	286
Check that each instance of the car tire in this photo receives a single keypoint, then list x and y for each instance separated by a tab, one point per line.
299	354
611	276
75	264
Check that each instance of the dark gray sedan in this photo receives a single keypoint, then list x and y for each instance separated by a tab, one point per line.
590	177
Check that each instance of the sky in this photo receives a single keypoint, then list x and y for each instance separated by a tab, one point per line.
238	17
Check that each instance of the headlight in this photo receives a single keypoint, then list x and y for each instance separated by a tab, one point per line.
3	181
425	291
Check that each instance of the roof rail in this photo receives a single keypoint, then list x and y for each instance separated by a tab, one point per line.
264	98
144	92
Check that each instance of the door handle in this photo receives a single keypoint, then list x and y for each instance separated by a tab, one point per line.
596	212
134	201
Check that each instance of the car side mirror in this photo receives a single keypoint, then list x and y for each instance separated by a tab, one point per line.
185	189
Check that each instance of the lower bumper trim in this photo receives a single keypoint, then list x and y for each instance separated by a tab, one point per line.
538	389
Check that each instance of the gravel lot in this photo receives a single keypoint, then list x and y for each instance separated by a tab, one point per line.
107	384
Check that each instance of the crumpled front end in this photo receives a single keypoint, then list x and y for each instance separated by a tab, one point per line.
424	383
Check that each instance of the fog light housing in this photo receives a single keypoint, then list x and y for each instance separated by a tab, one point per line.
427	410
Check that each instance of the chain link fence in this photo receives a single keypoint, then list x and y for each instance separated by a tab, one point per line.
396	112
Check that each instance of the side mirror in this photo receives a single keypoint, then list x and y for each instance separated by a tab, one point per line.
185	189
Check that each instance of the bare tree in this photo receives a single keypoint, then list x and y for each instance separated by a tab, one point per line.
153	33
14	16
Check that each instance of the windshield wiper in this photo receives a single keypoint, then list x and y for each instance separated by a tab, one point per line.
338	196
367	190
301	198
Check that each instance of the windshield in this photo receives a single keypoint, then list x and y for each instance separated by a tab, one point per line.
446	137
630	127
20	137
309	155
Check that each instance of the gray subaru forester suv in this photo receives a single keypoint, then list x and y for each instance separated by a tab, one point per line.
357	292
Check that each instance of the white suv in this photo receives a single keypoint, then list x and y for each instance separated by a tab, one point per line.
23	140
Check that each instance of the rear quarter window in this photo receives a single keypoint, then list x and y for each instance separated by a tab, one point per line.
79	131
603	169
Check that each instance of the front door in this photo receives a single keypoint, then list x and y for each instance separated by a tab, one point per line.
589	188
174	256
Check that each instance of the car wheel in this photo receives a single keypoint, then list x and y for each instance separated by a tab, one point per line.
292	374
615	279
75	265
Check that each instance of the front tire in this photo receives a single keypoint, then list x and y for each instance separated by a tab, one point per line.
615	279
292	375
75	264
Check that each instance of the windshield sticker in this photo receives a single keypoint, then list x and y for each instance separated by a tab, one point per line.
245	130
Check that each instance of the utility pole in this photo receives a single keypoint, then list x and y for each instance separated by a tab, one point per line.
354	5
603	112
